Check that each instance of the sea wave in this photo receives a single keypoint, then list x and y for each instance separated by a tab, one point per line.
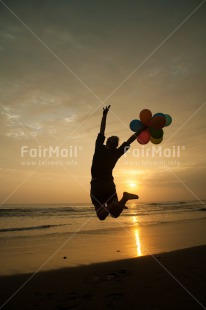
167	203
28	212
30	227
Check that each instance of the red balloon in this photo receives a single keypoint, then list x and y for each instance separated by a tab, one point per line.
158	122
145	116
144	137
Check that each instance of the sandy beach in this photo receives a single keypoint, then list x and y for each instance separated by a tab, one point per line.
152	258
174	280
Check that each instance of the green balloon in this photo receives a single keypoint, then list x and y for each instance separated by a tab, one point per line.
168	119
156	133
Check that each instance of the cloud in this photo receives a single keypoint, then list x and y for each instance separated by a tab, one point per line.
153	72
36	126
6	35
180	69
10	116
16	134
70	119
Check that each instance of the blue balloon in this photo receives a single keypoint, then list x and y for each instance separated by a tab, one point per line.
159	114
168	119
136	125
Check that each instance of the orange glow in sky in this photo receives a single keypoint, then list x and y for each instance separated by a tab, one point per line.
56	101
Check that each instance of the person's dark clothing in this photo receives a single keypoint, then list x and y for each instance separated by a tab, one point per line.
103	189
104	158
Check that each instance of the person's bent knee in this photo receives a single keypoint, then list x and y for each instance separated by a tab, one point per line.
101	217
115	215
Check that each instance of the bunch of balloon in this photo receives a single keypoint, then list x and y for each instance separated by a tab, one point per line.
151	126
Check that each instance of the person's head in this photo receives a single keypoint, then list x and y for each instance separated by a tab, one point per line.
112	142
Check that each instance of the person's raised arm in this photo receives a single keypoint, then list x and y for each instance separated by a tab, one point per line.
135	135
103	121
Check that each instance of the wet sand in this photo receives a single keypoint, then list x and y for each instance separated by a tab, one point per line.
22	255
174	280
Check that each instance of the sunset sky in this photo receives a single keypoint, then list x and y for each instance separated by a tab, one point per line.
62	61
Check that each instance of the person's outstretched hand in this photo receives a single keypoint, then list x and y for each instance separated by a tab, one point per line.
106	109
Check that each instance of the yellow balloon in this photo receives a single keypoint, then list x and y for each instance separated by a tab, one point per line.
156	141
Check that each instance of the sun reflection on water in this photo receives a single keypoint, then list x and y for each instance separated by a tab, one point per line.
138	243
137	237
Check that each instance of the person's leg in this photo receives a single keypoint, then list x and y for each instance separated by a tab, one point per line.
115	208
101	211
103	193
127	196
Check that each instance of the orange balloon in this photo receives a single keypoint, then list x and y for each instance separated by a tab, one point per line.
158	122
145	116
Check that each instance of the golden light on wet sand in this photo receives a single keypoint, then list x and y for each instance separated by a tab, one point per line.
137	237
138	243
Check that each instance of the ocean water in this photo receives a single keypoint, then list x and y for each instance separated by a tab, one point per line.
45	237
37	220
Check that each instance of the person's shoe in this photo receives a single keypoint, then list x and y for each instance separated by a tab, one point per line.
129	196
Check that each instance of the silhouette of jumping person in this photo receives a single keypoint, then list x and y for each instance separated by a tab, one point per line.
103	190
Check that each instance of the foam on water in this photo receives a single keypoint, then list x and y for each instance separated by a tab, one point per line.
20	220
